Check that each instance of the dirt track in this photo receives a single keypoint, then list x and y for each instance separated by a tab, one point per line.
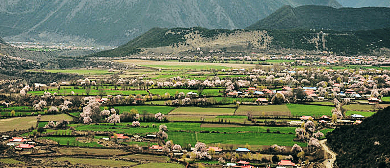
328	162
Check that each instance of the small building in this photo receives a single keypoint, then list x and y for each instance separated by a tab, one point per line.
242	150
156	147
120	138
326	118
286	164
357	116
16	141
216	149
261	101
373	100
24	147
243	164
305	118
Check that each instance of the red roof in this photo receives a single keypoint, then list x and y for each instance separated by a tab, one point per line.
25	146
243	162
306	117
156	147
120	136
324	116
216	149
17	139
286	163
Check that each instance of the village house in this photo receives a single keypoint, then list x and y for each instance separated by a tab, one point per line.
24	147
120	138
217	150
286	164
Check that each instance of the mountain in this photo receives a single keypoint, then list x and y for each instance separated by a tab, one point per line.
114	22
188	39
364	3
322	17
2	41
364	145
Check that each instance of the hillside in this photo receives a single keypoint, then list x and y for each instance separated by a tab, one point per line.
364	145
185	39
114	22
322	17
364	3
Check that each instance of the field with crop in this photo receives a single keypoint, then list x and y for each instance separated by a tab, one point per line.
202	111
148	109
270	110
72	141
17	123
359	107
90	151
94	162
309	110
83	71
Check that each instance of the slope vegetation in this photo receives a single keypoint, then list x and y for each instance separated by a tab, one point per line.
322	17
364	145
114	22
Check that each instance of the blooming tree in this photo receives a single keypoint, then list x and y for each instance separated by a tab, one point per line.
115	119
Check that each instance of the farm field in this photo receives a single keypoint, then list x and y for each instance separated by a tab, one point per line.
309	110
17	123
148	109
90	151
71	141
83	71
363	113
94	162
270	110
359	107
57	117
165	165
202	111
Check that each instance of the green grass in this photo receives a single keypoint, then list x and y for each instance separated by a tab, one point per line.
309	110
192	67
386	99
57	117
95	162
148	109
17	108
11	161
72	141
270	110
321	103
202	111
358	107
172	92
278	61
365	114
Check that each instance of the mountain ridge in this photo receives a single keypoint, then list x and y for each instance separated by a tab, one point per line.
322	17
114	22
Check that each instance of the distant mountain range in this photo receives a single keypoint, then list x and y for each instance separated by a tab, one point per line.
323	17
114	22
364	3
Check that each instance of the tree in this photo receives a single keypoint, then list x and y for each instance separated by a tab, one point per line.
310	127
296	149
13	113
278	98
114	119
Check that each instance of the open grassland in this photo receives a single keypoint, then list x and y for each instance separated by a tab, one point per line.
202	111
359	107
57	117
148	109
17	123
90	151
270	110
309	110
387	99
95	162
321	103
185	65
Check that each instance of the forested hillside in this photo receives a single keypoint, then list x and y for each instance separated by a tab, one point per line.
114	22
364	145
344	43
326	18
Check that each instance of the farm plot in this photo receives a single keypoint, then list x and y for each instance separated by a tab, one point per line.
148	109
57	117
90	151
222	118
165	165
83	71
270	110
363	113
72	141
202	111
359	107
94	162
309	110
17	123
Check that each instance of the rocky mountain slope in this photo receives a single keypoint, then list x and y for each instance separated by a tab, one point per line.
364	3
114	22
322	17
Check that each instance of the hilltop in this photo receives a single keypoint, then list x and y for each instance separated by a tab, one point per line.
364	3
364	145
328	18
189	39
113	22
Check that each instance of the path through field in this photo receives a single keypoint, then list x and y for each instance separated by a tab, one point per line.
328	162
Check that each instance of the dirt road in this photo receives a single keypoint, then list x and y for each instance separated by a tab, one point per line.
328	162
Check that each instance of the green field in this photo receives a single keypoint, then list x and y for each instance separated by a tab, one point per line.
72	141
309	110
57	117
11	161
202	111
156	165
148	109
270	110
386	99
359	107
